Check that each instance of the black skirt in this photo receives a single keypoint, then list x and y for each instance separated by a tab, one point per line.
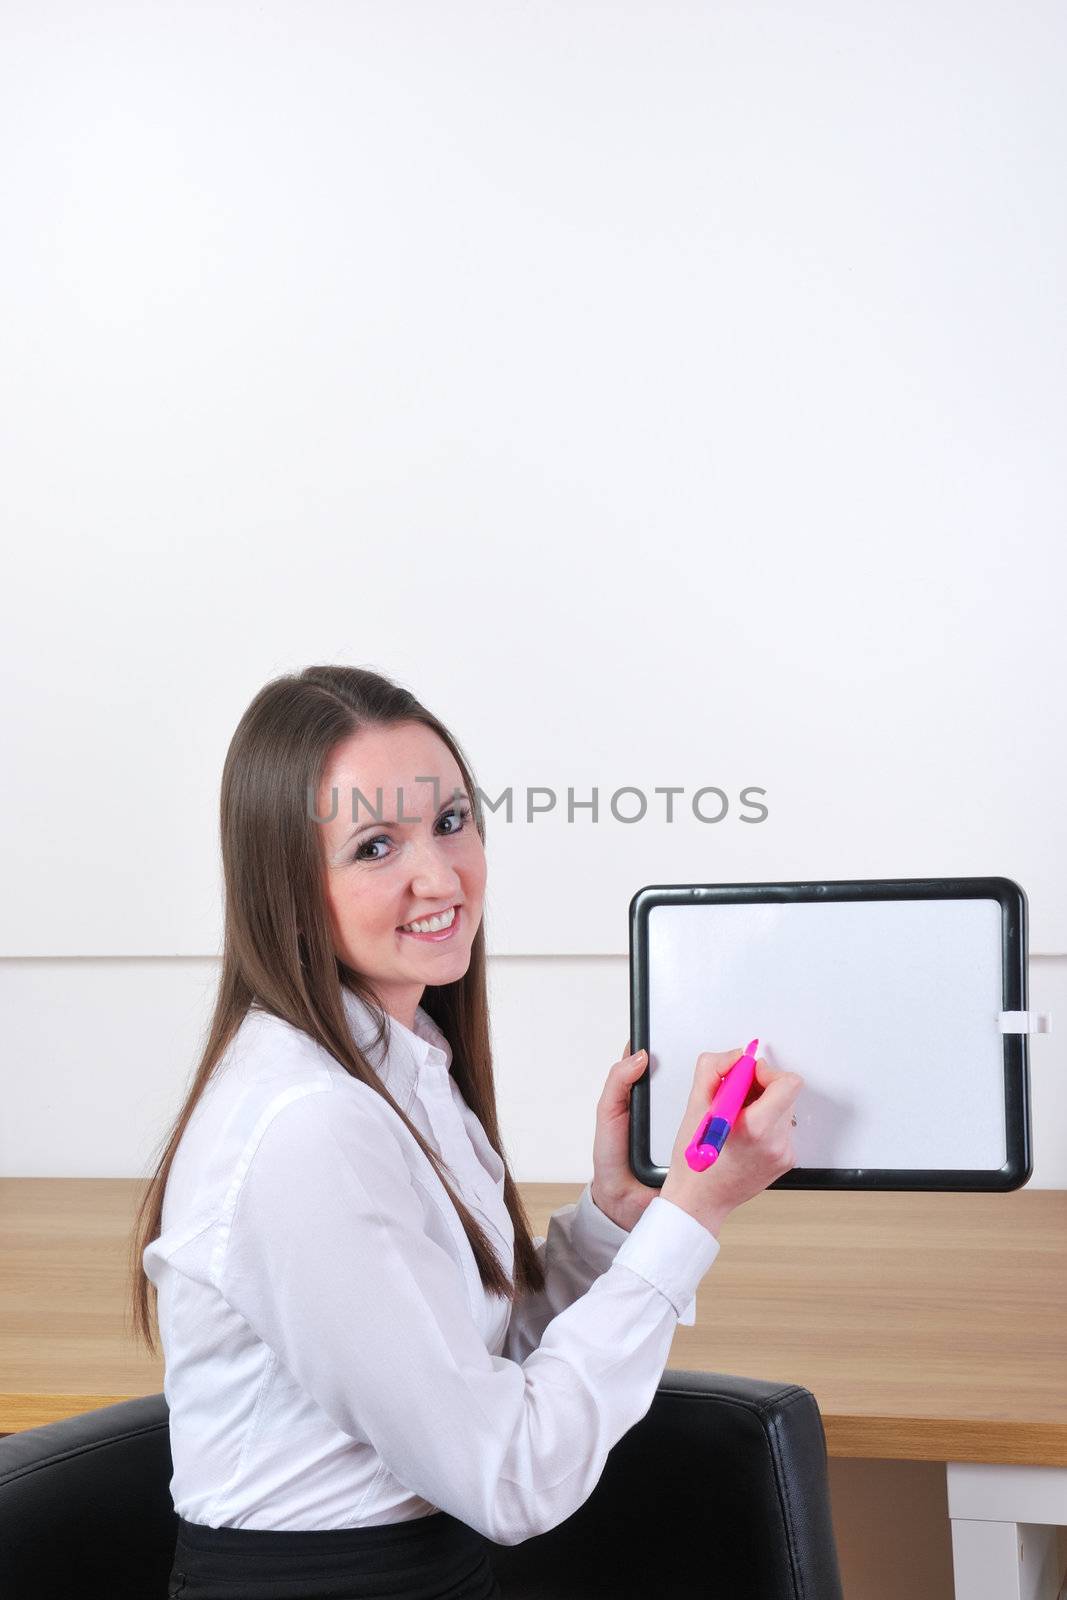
435	1557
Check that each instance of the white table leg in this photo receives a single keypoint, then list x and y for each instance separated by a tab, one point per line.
1005	1544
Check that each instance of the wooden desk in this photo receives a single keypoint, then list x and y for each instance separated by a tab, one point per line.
928	1327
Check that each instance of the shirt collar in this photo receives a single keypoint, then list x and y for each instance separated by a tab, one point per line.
407	1052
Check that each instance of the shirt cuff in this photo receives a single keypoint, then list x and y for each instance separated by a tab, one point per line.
672	1251
594	1234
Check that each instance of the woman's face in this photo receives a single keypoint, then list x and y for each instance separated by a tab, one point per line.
423	857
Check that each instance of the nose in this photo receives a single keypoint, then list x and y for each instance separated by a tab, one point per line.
433	877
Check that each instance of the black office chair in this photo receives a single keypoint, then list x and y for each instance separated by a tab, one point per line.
720	1492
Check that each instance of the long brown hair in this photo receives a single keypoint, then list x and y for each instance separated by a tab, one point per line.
277	949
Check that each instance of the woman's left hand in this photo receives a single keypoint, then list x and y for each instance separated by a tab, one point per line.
614	1189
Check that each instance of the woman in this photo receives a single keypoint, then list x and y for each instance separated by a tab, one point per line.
373	1371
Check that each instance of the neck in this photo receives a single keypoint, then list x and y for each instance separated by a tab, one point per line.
401	1004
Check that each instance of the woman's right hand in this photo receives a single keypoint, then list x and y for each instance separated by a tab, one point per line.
758	1148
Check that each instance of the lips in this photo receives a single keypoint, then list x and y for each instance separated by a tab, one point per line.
426	916
441	934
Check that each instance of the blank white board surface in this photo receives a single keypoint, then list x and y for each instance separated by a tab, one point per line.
885	998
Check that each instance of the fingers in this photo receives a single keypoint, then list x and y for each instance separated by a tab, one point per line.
712	1066
771	1095
628	1061
621	1077
776	1102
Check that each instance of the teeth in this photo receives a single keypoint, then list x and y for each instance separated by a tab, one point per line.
434	924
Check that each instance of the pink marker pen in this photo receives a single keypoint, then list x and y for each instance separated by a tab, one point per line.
729	1097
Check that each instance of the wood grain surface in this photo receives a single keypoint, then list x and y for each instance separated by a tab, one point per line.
928	1326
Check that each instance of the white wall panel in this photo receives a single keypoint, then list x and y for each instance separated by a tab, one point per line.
669	394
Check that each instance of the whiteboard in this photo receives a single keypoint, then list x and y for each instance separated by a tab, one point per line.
884	995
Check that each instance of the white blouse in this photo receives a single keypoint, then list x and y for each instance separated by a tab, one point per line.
332	1359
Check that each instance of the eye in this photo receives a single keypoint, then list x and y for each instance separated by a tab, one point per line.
460	812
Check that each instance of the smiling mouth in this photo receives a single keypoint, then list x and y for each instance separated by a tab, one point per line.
443	930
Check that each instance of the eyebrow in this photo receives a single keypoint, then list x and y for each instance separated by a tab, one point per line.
455	799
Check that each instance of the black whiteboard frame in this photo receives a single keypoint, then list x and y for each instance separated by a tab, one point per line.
1018	1167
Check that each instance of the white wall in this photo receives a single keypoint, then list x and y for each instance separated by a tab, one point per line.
99	1056
671	394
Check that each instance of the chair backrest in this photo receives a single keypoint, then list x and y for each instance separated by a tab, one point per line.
85	1506
720	1492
